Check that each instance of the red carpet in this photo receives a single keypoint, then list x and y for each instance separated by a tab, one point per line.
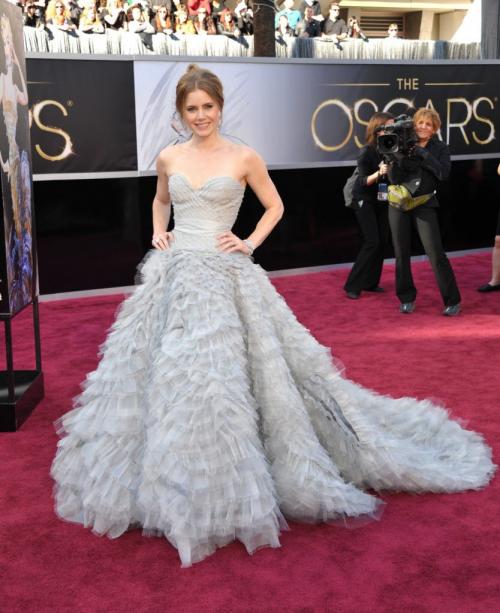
429	553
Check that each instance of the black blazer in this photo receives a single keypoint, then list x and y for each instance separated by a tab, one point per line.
368	162
428	165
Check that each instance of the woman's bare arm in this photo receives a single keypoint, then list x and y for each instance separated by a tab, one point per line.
259	180
161	205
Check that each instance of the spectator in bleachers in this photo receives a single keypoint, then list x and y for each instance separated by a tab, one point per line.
50	9
90	21
217	6
163	21
283	30
114	15
293	16
227	25
157	4
195	5
308	27
178	5
203	23
61	19
74	11
354	30
137	21
30	16
314	5
333	27
244	17
393	31
183	25
41	6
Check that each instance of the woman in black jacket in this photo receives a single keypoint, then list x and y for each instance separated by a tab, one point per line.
421	171
370	213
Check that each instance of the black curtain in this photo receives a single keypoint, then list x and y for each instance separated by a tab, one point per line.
490	29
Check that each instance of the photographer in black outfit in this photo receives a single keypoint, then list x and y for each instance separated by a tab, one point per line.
416	175
370	213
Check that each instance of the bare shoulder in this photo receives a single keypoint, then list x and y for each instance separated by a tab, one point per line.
166	157
248	157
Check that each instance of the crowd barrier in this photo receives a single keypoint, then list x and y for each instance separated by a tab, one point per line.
37	40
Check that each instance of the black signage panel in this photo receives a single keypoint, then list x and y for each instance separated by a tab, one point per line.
82	116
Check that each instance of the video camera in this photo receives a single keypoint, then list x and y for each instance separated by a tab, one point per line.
398	137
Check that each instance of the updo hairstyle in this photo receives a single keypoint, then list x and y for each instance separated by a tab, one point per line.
198	78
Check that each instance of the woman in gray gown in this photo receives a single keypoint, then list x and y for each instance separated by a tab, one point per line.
213	413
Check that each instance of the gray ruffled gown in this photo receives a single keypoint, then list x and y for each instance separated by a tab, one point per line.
214	413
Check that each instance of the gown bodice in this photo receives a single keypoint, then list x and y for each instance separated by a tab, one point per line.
201	214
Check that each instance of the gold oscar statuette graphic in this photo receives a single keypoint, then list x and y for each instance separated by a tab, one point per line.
35	115
345	109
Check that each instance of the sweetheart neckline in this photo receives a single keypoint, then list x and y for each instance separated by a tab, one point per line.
203	185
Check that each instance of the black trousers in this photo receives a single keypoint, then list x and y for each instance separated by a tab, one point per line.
424	219
366	271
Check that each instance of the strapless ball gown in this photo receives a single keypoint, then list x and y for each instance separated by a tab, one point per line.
214	414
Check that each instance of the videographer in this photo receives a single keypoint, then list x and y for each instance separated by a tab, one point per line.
370	213
416	175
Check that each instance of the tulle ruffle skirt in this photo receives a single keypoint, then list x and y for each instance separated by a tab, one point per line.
213	415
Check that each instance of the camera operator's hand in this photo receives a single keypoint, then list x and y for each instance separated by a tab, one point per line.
383	168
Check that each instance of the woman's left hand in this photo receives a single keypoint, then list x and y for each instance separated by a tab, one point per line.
229	243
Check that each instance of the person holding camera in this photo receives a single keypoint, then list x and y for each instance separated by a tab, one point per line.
416	176
354	30
371	213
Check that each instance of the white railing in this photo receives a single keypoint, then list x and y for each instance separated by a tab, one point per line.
126	43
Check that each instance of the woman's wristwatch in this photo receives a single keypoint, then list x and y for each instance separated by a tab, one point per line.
250	246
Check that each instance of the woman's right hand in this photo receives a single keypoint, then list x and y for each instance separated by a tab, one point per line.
162	240
383	168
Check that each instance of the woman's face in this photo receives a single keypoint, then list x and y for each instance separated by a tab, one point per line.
136	14
424	128
201	113
228	17
162	12
182	17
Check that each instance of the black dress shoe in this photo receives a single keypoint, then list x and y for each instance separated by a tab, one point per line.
452	310
407	307
489	288
377	289
353	295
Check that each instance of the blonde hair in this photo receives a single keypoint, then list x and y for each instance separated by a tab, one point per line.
423	113
85	17
198	78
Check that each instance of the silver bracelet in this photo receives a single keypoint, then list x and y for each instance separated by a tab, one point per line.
250	246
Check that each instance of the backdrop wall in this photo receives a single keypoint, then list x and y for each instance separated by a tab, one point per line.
97	126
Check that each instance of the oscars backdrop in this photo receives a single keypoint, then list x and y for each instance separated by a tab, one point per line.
110	118
17	283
